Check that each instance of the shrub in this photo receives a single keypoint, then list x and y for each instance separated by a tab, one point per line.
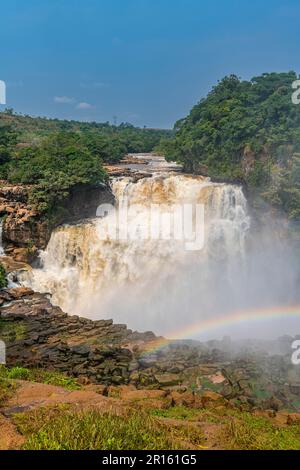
3	280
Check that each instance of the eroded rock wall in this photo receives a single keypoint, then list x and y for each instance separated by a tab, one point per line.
25	230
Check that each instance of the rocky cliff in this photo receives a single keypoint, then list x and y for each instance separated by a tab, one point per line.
25	230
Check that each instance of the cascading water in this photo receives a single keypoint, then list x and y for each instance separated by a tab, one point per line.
155	283
146	283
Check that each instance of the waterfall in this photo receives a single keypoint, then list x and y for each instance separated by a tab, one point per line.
148	284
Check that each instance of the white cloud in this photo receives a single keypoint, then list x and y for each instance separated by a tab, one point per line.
63	100
84	105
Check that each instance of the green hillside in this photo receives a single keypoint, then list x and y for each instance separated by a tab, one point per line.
55	155
247	131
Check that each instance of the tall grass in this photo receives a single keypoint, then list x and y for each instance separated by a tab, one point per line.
91	430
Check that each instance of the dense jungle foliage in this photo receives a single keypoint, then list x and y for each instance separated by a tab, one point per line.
247	131
56	156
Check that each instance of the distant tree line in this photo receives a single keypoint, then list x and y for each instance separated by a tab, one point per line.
55	156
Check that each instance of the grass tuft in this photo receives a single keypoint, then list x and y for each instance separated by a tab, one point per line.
249	432
40	376
59	429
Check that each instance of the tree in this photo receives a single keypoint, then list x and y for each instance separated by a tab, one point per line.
239	119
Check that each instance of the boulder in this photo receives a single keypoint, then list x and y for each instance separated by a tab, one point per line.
210	397
293	418
188	399
166	380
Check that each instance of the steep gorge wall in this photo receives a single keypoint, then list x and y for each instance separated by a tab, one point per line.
25	230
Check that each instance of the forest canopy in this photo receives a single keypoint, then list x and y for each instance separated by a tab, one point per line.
55	156
247	131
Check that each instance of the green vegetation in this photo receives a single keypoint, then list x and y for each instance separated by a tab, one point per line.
60	429
63	428
238	429
114	140
58	164
203	415
176	412
39	376
9	376
54	378
56	156
11	331
7	388
249	131
3	280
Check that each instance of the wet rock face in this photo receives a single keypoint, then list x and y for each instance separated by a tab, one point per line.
25	230
84	201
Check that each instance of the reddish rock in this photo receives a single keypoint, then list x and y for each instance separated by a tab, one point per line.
293	418
188	399
210	397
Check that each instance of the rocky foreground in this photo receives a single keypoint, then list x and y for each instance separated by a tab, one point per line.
73	383
40	335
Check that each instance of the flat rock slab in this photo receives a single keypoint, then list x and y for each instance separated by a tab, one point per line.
30	396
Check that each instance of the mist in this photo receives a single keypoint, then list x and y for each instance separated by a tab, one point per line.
157	285
190	293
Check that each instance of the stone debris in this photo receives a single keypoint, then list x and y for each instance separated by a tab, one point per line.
101	353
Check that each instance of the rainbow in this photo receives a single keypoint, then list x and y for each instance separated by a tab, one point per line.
235	318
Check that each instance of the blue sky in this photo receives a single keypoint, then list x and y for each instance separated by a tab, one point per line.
143	61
